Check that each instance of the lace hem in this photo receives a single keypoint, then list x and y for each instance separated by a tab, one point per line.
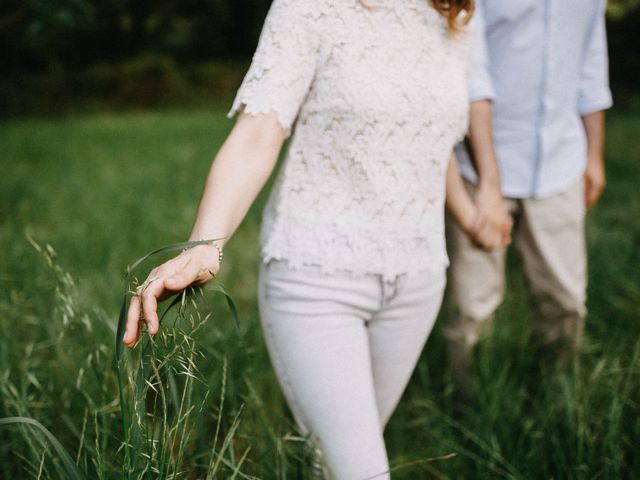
241	105
358	251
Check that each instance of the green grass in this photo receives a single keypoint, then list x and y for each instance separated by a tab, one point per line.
103	189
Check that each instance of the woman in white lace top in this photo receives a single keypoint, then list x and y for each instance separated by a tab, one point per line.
352	242
380	97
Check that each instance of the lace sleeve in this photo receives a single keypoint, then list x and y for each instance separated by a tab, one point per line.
283	66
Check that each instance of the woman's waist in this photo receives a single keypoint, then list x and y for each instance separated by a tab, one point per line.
356	201
386	249
353	230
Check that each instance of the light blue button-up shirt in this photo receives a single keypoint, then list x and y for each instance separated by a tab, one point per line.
544	64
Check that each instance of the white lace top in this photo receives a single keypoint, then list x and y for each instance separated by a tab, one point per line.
380	97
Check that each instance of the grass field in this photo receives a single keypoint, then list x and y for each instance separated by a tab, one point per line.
103	189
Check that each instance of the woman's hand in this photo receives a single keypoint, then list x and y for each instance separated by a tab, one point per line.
196	265
241	168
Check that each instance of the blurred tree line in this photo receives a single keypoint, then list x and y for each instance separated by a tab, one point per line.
92	45
39	35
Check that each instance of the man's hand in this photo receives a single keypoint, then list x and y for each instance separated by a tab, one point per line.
594	176
489	228
594	180
492	226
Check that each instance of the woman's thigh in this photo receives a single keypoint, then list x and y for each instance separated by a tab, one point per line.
316	334
398	333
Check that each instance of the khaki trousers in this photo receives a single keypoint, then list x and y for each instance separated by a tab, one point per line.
549	237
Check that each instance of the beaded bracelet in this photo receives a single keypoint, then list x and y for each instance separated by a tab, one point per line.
213	243
220	252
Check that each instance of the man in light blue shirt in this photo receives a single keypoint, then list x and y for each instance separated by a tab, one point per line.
539	88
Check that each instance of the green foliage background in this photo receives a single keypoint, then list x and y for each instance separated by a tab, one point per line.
57	54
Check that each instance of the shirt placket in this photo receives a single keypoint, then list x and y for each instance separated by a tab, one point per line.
543	98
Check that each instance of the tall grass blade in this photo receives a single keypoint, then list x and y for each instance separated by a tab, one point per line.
230	303
70	467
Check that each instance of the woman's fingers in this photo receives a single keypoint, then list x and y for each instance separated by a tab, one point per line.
133	322
490	235
151	293
144	306
172	277
487	236
490	241
163	286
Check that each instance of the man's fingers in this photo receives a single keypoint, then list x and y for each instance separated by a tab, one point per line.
506	229
506	232
593	194
493	233
477	227
487	239
589	196
587	191
594	184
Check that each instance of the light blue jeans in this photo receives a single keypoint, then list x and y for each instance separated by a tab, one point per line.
343	348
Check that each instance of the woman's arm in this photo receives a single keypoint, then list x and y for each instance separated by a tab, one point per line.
465	212
458	201
240	170
238	173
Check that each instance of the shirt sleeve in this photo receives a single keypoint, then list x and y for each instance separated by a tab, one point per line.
593	88
283	65
480	83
